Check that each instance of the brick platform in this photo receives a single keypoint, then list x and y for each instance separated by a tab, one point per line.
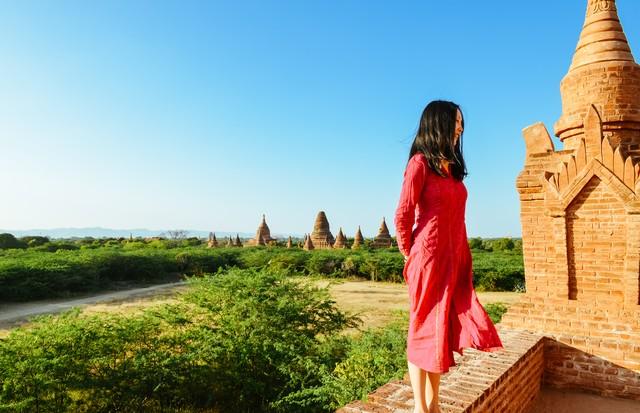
507	380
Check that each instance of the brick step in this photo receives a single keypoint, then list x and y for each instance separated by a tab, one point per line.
481	382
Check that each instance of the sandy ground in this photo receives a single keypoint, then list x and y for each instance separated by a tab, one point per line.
15	314
375	302
562	401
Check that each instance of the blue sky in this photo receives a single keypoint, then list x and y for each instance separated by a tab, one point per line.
205	115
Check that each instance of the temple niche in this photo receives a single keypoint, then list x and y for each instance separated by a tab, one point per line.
358	240
321	237
263	235
341	240
580	216
383	239
213	242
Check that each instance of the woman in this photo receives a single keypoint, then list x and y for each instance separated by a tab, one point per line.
445	314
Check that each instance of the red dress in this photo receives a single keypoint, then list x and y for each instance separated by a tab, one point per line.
445	314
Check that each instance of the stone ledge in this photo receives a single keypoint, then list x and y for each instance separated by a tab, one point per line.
507	380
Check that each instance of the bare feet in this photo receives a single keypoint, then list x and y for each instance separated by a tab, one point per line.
434	407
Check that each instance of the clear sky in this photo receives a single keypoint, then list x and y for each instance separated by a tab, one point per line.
207	114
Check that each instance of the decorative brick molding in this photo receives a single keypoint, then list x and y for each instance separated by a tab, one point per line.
580	215
507	380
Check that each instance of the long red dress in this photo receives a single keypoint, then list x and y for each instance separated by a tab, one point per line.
445	314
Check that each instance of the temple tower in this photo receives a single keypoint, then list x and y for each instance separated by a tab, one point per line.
383	239
603	74
308	244
358	240
321	236
580	216
289	242
263	234
341	240
213	242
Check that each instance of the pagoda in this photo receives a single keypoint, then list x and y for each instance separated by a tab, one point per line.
321	236
308	244
263	234
289	242
358	240
213	242
341	240
383	239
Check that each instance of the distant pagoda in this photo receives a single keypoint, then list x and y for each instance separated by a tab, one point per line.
289	242
358	240
229	242
213	242
308	244
341	240
383	239
321	237
263	234
237	242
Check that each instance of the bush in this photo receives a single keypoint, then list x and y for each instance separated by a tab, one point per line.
241	341
497	271
496	311
8	241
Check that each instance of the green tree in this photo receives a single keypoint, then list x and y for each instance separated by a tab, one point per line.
8	241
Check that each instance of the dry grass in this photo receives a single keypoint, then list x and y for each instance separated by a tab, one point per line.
377	303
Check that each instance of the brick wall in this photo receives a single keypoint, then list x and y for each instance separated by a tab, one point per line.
504	381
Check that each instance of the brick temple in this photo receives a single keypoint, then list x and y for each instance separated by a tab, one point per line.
578	325
580	213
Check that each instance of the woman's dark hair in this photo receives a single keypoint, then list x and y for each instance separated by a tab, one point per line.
434	138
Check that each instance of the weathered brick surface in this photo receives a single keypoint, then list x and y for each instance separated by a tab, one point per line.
504	381
580	213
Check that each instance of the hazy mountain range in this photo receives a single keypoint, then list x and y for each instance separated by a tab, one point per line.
98	232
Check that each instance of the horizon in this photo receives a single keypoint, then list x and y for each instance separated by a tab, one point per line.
199	115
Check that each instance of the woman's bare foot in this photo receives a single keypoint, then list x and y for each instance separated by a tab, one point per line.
434	408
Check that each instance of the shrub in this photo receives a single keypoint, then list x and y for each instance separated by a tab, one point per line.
8	241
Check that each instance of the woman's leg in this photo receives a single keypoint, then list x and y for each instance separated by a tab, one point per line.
431	391
418	384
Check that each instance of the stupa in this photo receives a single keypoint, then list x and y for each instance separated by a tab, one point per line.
289	242
263	234
358	239
341	240
580	216
383	239
321	236
213	242
229	242
237	242
308	244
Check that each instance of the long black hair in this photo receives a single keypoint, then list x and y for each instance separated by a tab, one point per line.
434	138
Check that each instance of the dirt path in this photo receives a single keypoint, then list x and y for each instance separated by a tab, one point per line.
17	313
375	302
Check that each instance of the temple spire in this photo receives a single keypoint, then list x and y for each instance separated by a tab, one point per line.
602	38
604	75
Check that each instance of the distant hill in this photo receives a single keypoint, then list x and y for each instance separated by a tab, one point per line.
98	232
